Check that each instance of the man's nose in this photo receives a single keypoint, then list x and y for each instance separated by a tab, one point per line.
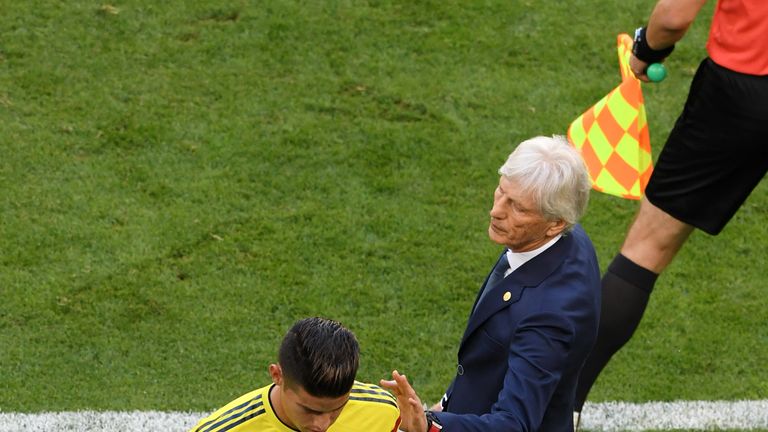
497	211
322	422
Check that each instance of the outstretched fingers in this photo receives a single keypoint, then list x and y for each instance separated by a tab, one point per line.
411	409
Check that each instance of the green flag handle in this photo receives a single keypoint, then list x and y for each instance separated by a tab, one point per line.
656	72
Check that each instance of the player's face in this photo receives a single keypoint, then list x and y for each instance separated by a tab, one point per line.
309	413
516	221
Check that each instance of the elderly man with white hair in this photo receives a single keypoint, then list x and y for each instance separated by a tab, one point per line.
535	318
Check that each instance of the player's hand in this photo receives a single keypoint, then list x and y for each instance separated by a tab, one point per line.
638	68
411	409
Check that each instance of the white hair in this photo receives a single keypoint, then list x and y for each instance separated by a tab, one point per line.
554	172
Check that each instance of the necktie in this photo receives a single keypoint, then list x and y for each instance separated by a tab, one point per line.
496	276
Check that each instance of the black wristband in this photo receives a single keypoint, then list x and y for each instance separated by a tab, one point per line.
643	52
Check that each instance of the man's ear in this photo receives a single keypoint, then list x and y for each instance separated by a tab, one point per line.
276	373
555	228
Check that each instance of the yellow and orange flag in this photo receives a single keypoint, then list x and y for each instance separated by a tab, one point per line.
612	135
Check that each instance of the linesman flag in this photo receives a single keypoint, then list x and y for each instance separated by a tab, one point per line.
612	136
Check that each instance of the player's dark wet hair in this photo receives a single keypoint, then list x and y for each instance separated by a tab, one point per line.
321	356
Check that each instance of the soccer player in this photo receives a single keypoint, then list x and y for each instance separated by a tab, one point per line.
313	389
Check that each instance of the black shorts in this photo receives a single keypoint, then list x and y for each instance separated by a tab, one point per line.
717	151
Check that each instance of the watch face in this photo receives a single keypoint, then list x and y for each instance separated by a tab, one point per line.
638	40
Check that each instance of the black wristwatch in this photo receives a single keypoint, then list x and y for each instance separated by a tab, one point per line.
644	52
433	424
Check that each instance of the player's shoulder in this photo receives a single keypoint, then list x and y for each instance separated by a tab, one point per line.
367	394
248	408
370	408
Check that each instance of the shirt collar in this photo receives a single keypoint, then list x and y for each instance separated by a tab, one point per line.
516	259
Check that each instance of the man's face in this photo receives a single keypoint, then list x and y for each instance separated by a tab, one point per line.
300	410
516	221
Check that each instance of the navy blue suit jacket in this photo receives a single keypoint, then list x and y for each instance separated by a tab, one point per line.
526	342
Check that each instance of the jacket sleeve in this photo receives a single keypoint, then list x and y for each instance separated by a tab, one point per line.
538	355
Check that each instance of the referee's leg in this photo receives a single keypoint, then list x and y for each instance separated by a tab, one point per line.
653	240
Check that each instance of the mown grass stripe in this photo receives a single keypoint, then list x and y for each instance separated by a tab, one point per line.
606	417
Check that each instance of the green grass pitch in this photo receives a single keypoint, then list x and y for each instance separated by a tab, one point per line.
180	181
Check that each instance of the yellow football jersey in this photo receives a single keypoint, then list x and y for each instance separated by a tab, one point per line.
370	409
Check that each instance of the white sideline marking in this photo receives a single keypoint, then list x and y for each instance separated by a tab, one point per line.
606	417
698	415
93	421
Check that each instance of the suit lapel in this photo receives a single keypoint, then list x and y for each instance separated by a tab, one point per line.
529	275
487	278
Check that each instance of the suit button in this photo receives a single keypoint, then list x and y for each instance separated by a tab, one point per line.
460	369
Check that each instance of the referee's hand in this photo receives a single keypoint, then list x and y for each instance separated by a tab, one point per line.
639	68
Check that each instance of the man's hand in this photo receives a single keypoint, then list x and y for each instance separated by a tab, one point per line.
639	68
411	409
